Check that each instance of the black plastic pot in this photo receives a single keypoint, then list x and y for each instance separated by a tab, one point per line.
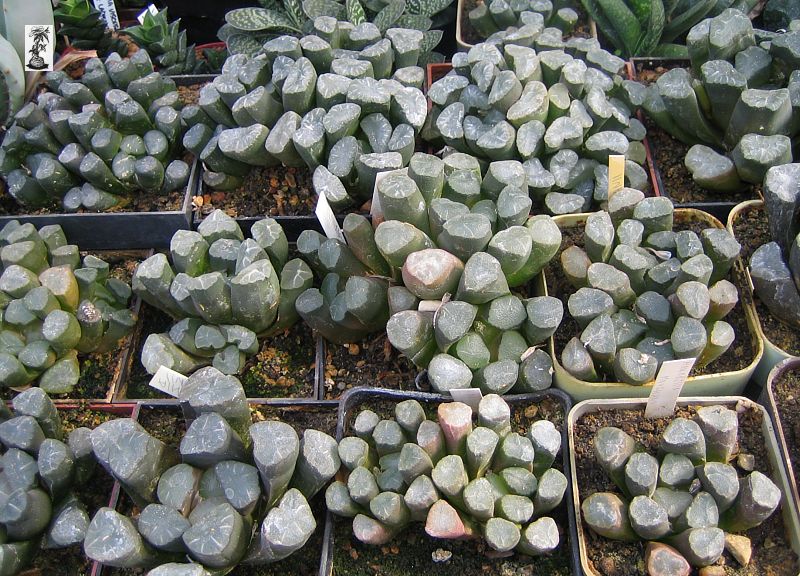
355	397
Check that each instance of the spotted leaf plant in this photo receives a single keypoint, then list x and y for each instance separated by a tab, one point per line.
224	291
690	502
560	107
232	493
463	476
94	143
494	19
56	306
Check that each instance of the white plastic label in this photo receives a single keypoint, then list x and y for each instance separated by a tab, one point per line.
152	10
376	210
108	12
616	173
327	218
168	381
470	396
669	382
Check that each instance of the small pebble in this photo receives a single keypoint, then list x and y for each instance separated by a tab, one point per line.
440	555
746	462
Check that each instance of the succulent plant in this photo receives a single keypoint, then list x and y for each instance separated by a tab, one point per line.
223	290
82	23
493	16
93	143
12	82
737	107
463	481
202	500
690	498
775	266
246	29
166	43
645	293
55	307
41	467
561	108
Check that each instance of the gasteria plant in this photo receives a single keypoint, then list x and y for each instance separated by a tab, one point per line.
308	103
520	18
223	290
775	266
166	43
91	144
645	293
81	22
41	467
55	307
689	501
737	107
463	481
562	108
459	241
202	500
246	29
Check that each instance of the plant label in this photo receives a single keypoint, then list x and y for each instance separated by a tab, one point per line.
168	381
152	10
108	12
376	211
40	40
616	173
669	382
469	396
327	219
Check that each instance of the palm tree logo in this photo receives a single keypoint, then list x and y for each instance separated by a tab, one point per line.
41	38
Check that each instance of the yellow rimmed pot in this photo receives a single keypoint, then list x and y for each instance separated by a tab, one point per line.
773	354
583	467
717	384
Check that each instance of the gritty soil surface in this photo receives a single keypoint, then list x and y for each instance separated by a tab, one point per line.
284	367
190	94
739	355
786	391
751	229
668	154
413	552
94	494
772	555
470	36
373	362
275	191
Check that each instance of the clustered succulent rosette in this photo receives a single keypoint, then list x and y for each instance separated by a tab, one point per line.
645	293
559	107
520	18
82	23
202	500
55	306
92	144
344	102
449	245
41	466
224	291
689	501
775	266
738	106
462	480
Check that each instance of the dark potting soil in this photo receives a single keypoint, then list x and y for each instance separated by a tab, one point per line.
470	36
94	494
737	357
751	229
284	366
275	191
772	554
151	321
413	552
372	362
786	391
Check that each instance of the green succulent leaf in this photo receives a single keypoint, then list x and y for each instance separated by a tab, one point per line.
624	22
374	6
355	12
594	10
654	27
642	9
294	9
430	40
258	19
315	8
430	58
225	32
270	4
244	44
685	19
430	7
415	22
386	18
